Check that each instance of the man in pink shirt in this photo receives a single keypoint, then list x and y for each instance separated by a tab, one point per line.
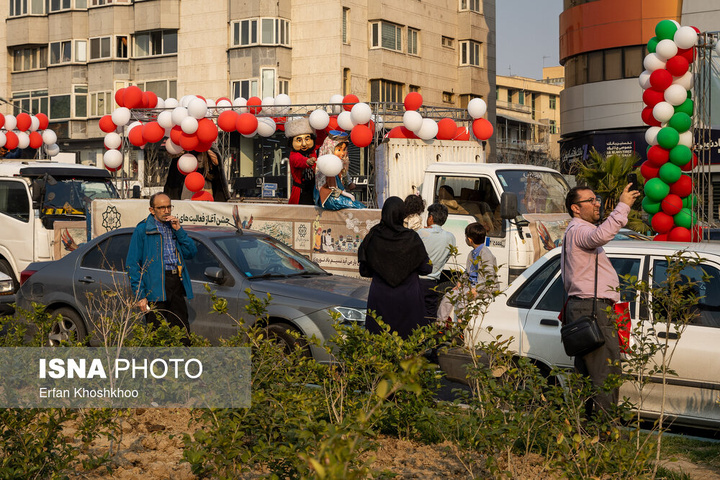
582	245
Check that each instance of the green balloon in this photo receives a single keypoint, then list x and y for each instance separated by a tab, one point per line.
689	94
665	30
685	218
668	137
656	189
690	201
670	173
687	107
680	122
652	43
650	206
680	155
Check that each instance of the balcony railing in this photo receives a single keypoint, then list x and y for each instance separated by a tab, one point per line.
517	107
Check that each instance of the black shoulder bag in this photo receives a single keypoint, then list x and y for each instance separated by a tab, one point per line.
583	335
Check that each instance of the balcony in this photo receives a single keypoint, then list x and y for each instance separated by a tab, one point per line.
515	107
27	30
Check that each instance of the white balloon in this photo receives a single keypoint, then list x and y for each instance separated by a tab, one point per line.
687	80
666	49
52	150
189	125
113	140
428	130
172	148
677	24
179	114
49	137
34	123
345	121
477	107
240	102
336	101
686	138
165	119
329	165
361	113
121	116
160	103
224	104
686	37
187	163
653	62
23	140
3	139
412	120
186	99
268	105
266	127
112	159
651	135
319	119
675	94
644	80
171	102
282	103
197	108
663	111
10	122
211	110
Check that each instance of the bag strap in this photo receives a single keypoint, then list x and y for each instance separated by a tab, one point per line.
562	276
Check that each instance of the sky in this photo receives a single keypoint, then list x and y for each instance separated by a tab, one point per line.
527	31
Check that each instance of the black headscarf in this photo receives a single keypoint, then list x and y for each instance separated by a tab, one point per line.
389	249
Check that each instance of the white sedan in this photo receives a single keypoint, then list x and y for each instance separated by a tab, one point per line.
529	314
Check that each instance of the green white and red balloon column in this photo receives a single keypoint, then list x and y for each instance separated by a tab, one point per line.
667	83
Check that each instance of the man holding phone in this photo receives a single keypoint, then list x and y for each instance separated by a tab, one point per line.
156	263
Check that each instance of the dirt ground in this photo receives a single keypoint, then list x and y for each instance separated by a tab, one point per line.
151	448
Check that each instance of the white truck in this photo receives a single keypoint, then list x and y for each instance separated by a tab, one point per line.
43	208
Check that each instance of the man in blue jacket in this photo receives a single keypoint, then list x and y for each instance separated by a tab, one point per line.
156	263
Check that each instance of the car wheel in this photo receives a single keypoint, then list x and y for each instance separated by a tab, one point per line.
7	270
68	325
284	334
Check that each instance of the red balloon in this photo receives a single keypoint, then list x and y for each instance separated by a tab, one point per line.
194	181
672	204
648	171
136	136
691	164
207	131
152	132
133	97
36	140
246	123
447	128
11	140
395	132
662	222
677	66
44	121
660	79
23	122
222	98
188	142
687	53
482	128
227	120
697	232
683	187
2	120
280	123
175	133
150	100
647	117
203	147
119	95
202	196
462	134
658	156
351	100
361	136
408	133
253	104
660	237
413	101
652	97
201	98
106	124
679	234
332	124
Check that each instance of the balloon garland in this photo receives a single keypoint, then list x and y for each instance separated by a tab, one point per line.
25	130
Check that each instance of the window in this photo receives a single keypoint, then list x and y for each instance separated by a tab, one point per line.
385	91
613	64
448	97
60	107
472	197
110	254
58	5
14	200
632	62
412	41
264	31
268	82
413	88
80	101
81	50
526	295
553	102
284	86
158	42
470	53
100	104
60	52
100	48
203	259
346	25
20	7
387	35
553	126
448	42
521	97
706	289
32	58
100	3
34	101
346	81
471	5
121	46
245	88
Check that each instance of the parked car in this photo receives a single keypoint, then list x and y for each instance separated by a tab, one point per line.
230	260
529	314
7	297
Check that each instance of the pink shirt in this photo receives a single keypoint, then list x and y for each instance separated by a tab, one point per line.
582	241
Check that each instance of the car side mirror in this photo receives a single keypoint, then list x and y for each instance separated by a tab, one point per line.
38	185
136	191
216	274
508	206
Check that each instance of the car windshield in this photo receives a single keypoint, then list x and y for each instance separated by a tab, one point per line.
265	257
537	191
73	194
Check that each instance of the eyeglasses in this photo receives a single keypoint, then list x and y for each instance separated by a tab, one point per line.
590	200
164	207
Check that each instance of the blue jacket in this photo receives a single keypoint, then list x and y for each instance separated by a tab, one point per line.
145	261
